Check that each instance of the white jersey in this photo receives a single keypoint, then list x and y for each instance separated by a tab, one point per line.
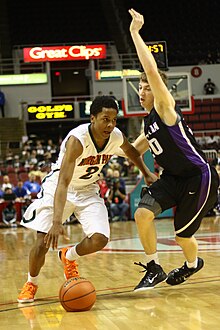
90	163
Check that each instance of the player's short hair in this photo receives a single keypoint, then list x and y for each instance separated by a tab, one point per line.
163	75
101	102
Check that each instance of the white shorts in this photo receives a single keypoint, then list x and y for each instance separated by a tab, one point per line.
86	204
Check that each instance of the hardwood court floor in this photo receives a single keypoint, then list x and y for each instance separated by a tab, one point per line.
193	305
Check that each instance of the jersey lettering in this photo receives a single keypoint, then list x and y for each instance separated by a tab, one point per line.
90	171
155	146
93	160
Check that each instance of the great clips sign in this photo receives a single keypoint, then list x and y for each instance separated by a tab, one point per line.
64	53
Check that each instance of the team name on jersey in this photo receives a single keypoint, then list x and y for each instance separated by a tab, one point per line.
152	129
93	160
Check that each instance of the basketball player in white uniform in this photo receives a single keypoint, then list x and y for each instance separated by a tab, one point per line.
71	187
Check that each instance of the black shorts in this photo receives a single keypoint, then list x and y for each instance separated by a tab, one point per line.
192	198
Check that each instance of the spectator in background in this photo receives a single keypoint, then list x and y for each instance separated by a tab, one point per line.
33	157
102	185
124	165
31	185
40	151
20	191
9	214
210	59
6	183
39	171
108	174
116	175
211	142
1	194
116	198
52	151
9	156
2	103
8	194
217	60
16	162
216	160
209	87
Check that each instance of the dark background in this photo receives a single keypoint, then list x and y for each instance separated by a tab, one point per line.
191	28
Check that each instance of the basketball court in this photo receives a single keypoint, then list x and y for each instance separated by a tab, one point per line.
193	305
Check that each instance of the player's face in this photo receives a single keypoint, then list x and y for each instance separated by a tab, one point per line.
104	123
145	95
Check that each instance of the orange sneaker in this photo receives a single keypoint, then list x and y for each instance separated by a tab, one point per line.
27	293
70	266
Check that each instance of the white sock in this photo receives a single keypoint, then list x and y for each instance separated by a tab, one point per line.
154	257
32	279
192	264
72	254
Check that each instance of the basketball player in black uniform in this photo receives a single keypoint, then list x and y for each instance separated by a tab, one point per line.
187	183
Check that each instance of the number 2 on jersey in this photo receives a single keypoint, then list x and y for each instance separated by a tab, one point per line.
90	171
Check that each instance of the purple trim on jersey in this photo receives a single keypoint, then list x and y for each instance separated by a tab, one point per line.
204	188
187	149
194	157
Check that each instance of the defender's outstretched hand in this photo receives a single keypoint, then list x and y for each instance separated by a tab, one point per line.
137	20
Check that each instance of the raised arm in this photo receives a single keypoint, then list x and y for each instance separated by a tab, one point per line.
163	101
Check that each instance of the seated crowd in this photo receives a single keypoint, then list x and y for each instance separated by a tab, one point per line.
21	177
209	142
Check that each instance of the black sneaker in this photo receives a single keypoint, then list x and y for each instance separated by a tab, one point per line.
154	275
180	275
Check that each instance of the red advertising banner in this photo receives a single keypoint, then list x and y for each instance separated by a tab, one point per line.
64	53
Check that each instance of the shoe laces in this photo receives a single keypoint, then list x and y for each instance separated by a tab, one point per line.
29	287
182	271
71	268
147	269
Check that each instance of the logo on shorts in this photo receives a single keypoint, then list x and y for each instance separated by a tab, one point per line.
192	192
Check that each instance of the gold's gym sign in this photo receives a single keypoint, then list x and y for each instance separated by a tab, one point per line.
50	111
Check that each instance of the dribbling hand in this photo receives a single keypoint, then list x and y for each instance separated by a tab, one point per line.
51	238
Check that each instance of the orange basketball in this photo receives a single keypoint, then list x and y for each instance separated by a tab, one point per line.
77	295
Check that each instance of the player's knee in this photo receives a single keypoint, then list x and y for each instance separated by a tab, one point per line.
178	239
143	214
99	241
182	239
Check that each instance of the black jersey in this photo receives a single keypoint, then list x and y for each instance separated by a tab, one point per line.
174	147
